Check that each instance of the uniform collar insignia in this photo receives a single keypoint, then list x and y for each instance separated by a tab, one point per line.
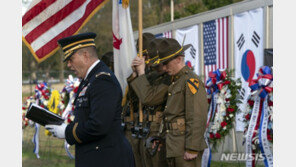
184	70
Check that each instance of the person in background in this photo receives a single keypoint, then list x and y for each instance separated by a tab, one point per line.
108	59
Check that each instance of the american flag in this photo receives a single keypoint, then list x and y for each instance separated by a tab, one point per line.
215	41
47	21
167	34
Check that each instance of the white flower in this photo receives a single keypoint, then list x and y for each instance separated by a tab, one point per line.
72	117
223	108
230	115
223	90
224	128
228	93
215	126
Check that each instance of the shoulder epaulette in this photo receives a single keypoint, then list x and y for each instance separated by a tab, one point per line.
102	73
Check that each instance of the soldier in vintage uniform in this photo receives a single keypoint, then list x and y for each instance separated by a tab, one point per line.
96	130
186	105
153	143
130	114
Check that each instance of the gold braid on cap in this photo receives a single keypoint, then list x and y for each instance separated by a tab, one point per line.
169	56
70	51
144	51
147	61
77	42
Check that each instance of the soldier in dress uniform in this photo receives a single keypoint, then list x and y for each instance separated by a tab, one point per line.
185	112
96	130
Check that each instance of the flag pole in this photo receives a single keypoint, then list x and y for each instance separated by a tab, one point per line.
172	18
140	29
140	54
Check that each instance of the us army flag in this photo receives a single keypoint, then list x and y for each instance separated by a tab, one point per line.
123	41
248	52
191	54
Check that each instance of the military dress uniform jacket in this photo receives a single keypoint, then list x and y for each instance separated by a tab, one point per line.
185	111
96	130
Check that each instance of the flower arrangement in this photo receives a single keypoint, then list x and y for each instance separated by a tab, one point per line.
249	110
25	106
68	95
258	134
223	98
42	94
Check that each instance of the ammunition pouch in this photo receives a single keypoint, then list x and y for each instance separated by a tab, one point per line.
177	128
156	118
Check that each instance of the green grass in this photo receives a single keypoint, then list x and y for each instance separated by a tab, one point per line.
53	154
51	151
230	164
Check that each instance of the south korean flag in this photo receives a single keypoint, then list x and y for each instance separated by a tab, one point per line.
248	53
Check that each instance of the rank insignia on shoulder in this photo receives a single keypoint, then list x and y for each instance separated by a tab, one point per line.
193	85
102	73
82	93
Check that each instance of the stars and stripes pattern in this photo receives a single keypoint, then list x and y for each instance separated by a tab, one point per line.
47	21
167	34
215	42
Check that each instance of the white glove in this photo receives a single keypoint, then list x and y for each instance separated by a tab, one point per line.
57	130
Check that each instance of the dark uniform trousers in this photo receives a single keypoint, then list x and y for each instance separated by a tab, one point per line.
96	130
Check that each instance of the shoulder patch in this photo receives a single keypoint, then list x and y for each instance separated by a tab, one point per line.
193	85
102	73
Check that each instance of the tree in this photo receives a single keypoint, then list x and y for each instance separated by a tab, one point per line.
213	4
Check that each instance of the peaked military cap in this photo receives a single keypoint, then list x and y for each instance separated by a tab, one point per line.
147	38
72	43
169	49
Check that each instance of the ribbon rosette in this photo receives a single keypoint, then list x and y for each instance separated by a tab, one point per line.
41	90
263	84
71	84
216	81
